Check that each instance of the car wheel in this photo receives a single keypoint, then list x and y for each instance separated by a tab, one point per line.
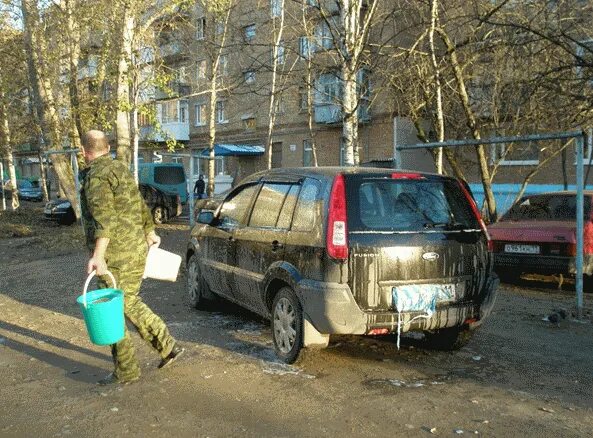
287	325
68	219
448	339
196	285
159	215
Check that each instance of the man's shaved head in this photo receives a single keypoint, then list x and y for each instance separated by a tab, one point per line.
95	142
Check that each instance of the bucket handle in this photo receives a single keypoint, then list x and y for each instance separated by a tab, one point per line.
88	281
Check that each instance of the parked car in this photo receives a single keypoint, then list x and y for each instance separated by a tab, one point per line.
538	235
322	251
28	190
61	211
163	206
167	177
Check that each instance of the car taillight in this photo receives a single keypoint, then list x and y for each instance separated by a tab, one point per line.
337	232
477	214
406	175
571	249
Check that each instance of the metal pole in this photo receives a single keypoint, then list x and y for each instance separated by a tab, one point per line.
397	159
580	223
2	185
191	188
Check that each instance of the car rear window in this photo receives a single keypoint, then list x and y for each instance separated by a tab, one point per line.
169	175
387	204
561	207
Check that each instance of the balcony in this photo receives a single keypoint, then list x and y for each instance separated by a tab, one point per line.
331	114
173	130
170	49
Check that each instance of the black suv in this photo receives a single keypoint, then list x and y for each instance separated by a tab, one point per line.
323	251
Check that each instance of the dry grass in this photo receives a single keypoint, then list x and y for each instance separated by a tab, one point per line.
28	221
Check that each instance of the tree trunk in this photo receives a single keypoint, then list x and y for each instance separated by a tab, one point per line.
438	85
73	32
309	85
122	124
45	104
272	108
6	147
471	123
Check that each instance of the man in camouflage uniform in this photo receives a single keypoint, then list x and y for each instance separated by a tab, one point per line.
119	229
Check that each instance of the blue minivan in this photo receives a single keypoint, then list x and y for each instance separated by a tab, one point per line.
168	177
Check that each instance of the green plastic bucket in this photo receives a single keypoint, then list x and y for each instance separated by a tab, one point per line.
103	312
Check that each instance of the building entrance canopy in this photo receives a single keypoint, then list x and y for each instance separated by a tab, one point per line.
228	150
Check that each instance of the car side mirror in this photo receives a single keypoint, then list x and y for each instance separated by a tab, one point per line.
206	217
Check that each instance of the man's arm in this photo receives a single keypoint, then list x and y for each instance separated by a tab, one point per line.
100	200
97	261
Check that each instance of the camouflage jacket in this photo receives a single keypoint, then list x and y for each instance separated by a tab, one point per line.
112	207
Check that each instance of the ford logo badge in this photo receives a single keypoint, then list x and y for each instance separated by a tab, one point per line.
430	256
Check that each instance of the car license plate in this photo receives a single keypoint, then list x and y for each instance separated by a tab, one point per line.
422	297
521	249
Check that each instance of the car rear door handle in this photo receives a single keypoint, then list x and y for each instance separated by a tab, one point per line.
276	245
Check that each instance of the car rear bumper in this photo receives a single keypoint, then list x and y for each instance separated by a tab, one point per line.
331	308
542	264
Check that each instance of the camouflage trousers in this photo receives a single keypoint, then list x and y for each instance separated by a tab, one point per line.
149	325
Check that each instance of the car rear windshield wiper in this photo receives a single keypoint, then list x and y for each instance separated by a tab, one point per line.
446	225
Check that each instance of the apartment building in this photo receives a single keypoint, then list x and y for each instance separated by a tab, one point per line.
244	76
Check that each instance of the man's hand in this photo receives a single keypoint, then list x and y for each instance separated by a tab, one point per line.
153	239
97	263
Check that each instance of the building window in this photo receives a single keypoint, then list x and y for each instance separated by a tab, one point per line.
281	54
219	28
304	47
516	154
584	54
249	32
280	106
200	114
201	70
303	99
201	165
276	7
307	154
324	36
183	111
220	114
223	66
328	89
249	76
201	28
168	111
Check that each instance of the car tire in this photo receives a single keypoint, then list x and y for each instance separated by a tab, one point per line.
287	325
159	215
68	219
448	339
197	288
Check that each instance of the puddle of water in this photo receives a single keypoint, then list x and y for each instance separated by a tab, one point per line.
282	369
404	384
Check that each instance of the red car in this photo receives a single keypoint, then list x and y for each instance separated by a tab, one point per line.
538	235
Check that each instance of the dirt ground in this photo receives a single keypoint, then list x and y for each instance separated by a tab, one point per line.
519	376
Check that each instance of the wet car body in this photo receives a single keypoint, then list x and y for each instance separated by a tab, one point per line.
538	235
342	254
